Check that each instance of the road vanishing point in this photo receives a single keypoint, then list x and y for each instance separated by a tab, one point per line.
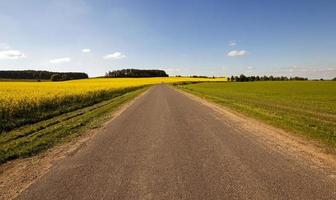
166	145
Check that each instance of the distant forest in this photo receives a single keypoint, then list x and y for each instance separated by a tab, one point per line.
135	73
42	75
243	78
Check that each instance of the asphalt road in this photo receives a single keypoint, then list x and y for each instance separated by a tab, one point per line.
168	146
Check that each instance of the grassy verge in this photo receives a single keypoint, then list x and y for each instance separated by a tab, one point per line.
32	139
307	108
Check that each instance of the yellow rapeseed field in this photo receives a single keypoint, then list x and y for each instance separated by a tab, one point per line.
27	102
12	92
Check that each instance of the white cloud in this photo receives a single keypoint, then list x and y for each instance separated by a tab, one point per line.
237	53
60	60
232	43
116	55
312	72
11	55
250	67
86	50
4	46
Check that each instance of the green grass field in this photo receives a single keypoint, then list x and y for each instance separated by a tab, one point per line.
303	107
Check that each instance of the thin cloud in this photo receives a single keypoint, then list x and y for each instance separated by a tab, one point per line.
312	72
86	50
232	43
60	60
294	68
173	71
115	56
11	55
237	53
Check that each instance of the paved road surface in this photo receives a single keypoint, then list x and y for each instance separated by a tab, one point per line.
168	146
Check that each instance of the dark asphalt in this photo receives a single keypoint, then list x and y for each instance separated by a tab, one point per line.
168	146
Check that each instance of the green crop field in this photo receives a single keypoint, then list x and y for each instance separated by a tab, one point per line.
304	107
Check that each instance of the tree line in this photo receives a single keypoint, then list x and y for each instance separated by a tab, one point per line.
136	73
42	75
243	78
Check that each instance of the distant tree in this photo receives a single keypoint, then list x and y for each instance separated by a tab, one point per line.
242	78
297	78
64	77
40	75
136	73
56	77
283	78
196	76
334	79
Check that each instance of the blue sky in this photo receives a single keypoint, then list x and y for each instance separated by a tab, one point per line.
213	37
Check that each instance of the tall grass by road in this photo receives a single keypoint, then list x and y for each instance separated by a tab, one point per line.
303	107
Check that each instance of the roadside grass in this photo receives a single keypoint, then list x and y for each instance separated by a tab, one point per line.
307	108
33	139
